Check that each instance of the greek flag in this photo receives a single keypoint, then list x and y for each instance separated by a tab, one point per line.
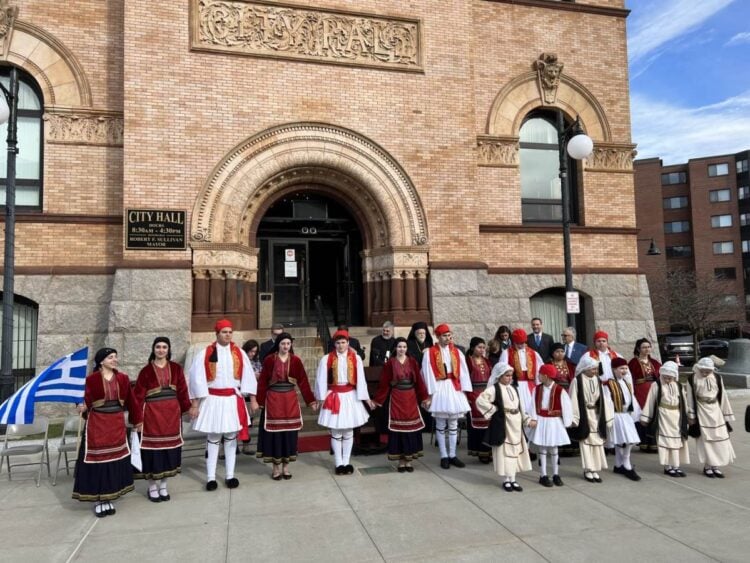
62	382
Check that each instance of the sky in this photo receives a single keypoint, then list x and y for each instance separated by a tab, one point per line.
689	77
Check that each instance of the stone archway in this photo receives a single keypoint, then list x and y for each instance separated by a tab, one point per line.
257	171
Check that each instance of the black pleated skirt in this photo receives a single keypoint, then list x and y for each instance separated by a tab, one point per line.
96	482
276	447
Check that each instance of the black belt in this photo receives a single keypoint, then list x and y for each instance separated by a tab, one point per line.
163	395
281	387
403	385
481	386
109	407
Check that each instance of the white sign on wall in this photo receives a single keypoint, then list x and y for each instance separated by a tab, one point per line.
573	304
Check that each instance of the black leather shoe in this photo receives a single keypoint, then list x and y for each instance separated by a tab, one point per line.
681	473
516	487
445	463
545	481
557	481
152	498
340	470
401	469
349	469
111	511
286	476
212	486
632	475
619	469
507	487
597	479
589	477
457	462
409	468
718	474
232	483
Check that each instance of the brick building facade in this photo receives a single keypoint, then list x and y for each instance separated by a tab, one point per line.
698	213
378	140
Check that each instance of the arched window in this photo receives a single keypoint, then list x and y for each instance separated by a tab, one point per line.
541	196
25	316
30	144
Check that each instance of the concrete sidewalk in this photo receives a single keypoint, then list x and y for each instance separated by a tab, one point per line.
380	515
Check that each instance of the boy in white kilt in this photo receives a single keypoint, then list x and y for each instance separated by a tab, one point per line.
665	416
341	387
446	377
709	414
502	405
552	411
592	417
624	434
219	376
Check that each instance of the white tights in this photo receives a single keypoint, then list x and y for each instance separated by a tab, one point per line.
342	441
230	454
622	456
449	426
554	460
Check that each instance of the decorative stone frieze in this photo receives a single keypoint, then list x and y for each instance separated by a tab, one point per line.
8	15
497	151
294	32
228	259
83	127
612	157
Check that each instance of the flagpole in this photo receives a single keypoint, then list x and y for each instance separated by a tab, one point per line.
6	353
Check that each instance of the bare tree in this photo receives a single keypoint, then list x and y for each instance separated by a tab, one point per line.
697	302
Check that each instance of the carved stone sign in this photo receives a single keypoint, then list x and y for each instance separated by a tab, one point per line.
283	30
155	229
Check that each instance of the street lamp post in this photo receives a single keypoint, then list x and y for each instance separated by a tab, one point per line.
579	146
653	250
8	113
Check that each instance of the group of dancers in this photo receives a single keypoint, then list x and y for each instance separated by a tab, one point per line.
519	401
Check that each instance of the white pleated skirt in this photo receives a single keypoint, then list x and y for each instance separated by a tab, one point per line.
549	432
218	415
623	431
447	402
352	413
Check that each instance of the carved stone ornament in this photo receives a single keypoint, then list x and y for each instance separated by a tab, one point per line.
294	32
8	15
84	128
548	71
497	151
612	158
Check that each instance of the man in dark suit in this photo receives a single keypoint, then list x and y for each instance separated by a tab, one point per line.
539	340
573	350
353	343
267	346
381	346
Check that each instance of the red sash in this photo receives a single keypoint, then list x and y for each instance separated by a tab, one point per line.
162	425
241	409
438	367
282	411
555	402
105	437
210	366
332	402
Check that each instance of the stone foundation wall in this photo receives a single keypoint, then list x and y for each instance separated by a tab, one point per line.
475	303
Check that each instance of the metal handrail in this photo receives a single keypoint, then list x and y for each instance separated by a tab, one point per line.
324	333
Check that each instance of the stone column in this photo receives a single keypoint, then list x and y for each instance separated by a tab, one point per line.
377	290
397	293
422	296
217	291
385	288
200	292
410	291
231	297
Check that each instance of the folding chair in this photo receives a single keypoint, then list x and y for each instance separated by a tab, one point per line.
16	431
68	444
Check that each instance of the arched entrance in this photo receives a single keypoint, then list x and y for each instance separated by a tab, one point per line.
310	246
549	305
343	167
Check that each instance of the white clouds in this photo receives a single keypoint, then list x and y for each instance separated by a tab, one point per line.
651	30
738	39
676	134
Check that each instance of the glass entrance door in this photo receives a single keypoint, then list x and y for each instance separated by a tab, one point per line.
290	282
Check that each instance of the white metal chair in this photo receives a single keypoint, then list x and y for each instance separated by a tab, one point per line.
68	444
17	431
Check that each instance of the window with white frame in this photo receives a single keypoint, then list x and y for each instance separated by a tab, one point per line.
721	221
718	169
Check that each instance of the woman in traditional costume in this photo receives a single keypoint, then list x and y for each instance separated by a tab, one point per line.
644	370
566	370
162	397
479	372
592	417
103	471
709	414
623	435
553	412
665	416
281	417
501	404
402	390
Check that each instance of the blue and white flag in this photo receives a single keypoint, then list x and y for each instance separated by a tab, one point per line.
62	382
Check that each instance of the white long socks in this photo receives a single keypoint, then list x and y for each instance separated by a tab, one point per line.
622	456
440	425
342	442
230	454
212	449
554	460
452	437
543	461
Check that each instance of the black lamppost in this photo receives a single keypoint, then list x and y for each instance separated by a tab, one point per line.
9	114
579	146
653	250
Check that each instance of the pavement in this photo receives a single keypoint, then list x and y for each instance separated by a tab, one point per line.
378	514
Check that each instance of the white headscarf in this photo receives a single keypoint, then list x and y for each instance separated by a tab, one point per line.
703	363
499	369
670	369
586	363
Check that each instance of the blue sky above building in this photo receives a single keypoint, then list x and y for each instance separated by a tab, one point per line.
689	77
